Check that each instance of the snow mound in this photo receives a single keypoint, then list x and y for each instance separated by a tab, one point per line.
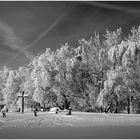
53	109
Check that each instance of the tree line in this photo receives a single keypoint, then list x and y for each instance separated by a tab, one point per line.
101	74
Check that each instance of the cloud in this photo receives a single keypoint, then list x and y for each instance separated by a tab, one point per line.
40	36
114	7
9	38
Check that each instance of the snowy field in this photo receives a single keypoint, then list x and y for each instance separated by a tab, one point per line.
78	125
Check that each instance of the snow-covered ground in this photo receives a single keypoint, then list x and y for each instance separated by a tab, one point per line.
78	125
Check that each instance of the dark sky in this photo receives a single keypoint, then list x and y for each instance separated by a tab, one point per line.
37	25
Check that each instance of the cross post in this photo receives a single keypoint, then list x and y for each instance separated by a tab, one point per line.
22	95
22	102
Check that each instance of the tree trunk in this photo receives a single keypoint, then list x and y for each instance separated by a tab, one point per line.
66	102
108	108
129	105
44	105
116	107
102	83
98	85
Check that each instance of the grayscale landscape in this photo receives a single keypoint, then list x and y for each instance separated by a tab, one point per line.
69	69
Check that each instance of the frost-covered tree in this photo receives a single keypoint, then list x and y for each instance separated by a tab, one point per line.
4	73
63	79
42	75
125	58
92	68
11	90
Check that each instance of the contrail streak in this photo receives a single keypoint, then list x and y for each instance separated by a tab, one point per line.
41	35
9	38
114	7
